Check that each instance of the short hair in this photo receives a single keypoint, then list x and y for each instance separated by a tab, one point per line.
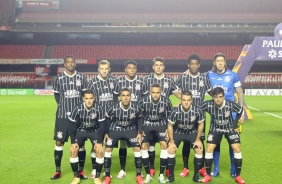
160	59
219	55
124	89
186	93
155	85
130	62
88	91
69	56
216	56
217	91
194	57
104	62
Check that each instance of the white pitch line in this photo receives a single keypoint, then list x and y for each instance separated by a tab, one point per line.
271	114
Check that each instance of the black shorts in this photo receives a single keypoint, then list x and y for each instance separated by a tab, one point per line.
128	135
158	128
81	137
189	138
203	134
61	129
214	137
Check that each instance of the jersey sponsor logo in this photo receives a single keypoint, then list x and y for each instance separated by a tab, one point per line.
78	83
221	122
71	82
185	127
137	86
60	134
227	114
72	94
227	79
210	137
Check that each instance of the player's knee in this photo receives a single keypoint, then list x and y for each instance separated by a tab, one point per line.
144	146
137	149
171	151
59	143
99	151
74	151
163	145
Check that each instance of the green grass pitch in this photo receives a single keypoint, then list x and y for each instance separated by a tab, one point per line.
27	146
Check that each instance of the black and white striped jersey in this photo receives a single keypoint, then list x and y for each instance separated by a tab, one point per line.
70	89
221	117
87	119
155	112
168	85
197	85
124	119
103	90
184	122
134	85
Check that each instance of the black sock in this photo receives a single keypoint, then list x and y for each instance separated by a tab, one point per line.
198	162
74	167
98	170
163	163
152	155
138	165
208	163
146	165
107	165
93	160
58	157
81	158
122	158
238	165
171	164
204	153
185	154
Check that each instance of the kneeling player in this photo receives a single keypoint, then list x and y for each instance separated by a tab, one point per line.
223	124
87	122
124	122
181	128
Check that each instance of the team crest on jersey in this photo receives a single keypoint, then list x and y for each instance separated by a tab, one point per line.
210	137
192	118
201	83
60	134
78	82
132	116
161	109
227	114
109	142
111	85
227	79
137	86
165	84
93	115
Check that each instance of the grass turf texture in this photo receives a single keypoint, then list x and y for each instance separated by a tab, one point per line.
27	146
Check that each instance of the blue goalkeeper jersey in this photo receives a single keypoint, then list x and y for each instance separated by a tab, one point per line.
228	81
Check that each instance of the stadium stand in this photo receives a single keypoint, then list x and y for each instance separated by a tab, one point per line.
158	11
122	52
22	51
18	79
263	80
6	11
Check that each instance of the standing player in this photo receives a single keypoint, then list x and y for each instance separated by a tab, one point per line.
168	87
198	84
103	86
87	122
228	80
124	121
223	124
135	84
156	109
68	88
181	127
